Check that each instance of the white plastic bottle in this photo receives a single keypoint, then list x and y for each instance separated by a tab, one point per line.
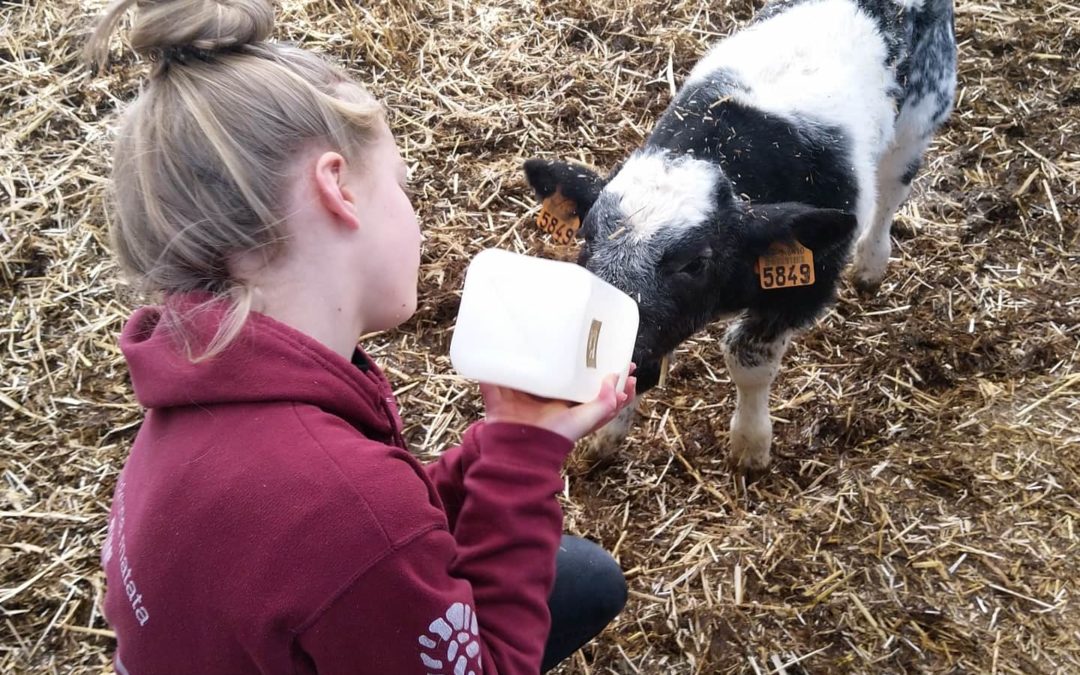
546	327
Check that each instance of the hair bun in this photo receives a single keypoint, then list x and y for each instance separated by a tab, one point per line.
162	26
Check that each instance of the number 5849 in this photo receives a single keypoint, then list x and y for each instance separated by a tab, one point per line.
783	276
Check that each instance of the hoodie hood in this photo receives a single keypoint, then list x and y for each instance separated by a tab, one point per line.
268	361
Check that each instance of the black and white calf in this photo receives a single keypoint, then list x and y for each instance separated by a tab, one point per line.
807	125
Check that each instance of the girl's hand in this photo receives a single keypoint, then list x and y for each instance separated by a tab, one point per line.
572	421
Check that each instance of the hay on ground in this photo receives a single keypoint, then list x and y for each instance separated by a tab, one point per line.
922	513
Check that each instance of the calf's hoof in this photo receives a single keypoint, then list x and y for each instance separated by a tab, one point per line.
750	445
749	462
600	447
869	270
866	288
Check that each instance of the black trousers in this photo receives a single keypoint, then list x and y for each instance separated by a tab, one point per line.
589	592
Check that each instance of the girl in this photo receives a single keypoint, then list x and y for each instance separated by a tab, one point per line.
270	518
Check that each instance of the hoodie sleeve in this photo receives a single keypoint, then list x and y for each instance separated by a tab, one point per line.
447	473
472	601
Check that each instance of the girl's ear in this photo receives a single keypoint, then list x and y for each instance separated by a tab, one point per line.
334	193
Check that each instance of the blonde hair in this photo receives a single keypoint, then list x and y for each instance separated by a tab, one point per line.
203	153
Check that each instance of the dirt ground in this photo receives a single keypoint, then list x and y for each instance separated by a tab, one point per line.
922	512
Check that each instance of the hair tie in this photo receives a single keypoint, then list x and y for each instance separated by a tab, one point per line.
186	54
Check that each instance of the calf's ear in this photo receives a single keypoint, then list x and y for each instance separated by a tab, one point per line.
576	183
826	232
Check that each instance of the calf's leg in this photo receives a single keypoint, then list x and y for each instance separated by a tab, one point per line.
752	351
895	173
919	117
609	438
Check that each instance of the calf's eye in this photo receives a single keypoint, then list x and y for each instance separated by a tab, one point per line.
693	267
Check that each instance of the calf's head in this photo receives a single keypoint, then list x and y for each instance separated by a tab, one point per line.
670	232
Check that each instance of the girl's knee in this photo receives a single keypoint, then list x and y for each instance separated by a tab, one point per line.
596	574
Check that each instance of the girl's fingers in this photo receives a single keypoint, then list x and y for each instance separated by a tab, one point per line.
588	416
572	421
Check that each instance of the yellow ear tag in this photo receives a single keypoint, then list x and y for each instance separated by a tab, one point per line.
785	266
558	217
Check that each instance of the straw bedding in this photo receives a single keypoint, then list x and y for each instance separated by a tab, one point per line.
922	513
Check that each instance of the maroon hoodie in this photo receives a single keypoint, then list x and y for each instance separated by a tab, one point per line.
271	520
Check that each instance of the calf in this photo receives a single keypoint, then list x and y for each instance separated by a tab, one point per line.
807	126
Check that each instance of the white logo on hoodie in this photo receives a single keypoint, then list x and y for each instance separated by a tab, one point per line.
451	645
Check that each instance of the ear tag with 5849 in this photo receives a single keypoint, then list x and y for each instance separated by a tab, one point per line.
558	217
785	266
